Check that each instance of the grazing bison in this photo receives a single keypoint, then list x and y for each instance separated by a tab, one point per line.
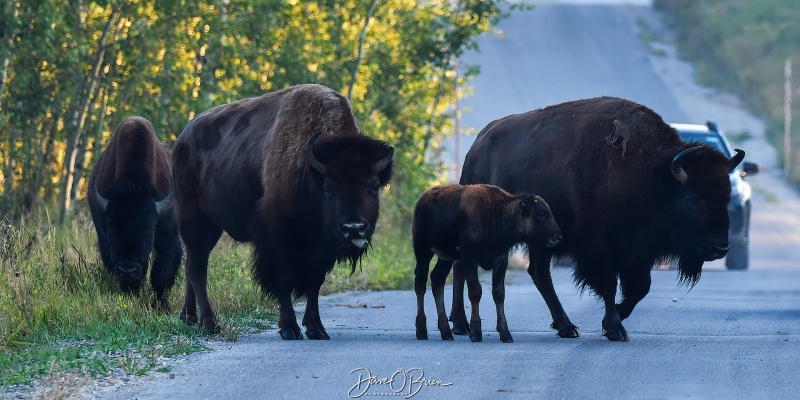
290	172
131	200
623	187
476	224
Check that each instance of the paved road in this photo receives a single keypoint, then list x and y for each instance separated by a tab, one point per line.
735	335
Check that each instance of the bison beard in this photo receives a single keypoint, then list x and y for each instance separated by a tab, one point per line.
623	187
290	172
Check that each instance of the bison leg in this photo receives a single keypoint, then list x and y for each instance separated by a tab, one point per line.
457	315
420	283
438	277
311	320
635	284
287	320
539	270
197	281
199	235
165	265
499	296
603	280
474	292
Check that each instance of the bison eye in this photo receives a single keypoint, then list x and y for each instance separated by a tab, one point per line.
541	214
376	189
327	191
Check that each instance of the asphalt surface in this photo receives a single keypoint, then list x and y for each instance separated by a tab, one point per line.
735	335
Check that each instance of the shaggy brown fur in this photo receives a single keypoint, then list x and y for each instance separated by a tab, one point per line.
624	188
134	153
290	172
473	224
130	199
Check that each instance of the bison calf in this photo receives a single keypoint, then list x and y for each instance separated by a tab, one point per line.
474	224
131	201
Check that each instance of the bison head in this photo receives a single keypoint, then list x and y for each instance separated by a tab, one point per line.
130	212
349	172
699	206
536	212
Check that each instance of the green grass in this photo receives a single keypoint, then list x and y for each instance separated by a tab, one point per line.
60	312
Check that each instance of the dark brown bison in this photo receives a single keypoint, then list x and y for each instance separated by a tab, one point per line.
290	172
476	224
131	199
624	188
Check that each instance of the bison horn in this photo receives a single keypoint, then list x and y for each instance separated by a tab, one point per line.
677	165
384	162
312	160
737	158
102	201
166	202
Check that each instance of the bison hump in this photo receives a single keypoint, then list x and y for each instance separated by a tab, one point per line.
134	154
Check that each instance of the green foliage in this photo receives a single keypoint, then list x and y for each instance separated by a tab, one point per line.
100	62
741	46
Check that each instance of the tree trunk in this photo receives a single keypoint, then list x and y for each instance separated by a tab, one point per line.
354	74
46	146
6	54
78	118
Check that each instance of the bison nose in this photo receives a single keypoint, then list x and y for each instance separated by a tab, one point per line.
719	249
127	268
559	237
353	228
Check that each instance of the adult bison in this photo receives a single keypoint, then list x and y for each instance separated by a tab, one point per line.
290	172
131	201
476	224
625	190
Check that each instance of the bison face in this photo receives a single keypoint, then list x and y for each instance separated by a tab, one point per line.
699	210
545	231
130	217
348	175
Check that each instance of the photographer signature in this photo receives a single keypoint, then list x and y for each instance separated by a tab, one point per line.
402	382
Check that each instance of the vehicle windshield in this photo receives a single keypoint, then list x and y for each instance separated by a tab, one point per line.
713	140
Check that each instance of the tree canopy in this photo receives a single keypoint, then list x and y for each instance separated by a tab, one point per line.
71	70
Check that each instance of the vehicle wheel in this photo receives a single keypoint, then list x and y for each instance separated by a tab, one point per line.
738	257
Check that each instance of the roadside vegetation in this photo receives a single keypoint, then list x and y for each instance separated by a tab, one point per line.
741	46
62	311
70	72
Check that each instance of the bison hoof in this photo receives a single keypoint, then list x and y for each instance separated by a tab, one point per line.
460	328
506	338
209	326
447	335
616	333
475	331
188	318
290	334
569	332
317	334
422	335
616	336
